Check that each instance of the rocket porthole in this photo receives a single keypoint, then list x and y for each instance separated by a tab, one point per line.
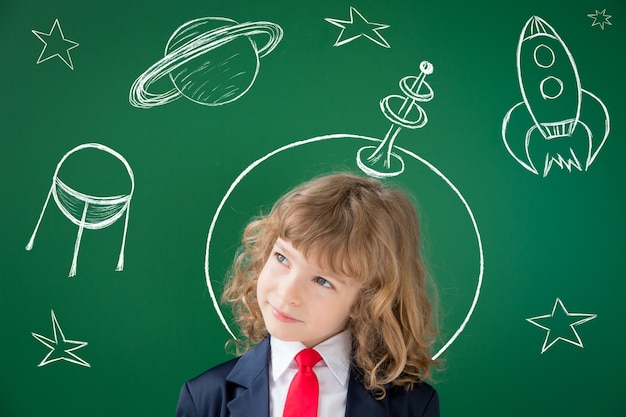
544	56
551	88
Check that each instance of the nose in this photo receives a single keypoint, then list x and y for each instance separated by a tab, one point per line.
289	289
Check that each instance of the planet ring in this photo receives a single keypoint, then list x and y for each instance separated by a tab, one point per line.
140	97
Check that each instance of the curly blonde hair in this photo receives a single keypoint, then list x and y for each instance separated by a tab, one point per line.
365	230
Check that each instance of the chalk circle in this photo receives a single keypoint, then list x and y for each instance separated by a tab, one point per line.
85	210
405	152
551	88
544	56
214	79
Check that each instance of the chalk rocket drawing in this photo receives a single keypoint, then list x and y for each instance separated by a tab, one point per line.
53	48
381	161
600	19
353	29
88	211
399	119
61	349
211	61
556	330
558	122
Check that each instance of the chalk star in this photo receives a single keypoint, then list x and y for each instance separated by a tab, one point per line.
351	29
558	323
60	349
55	45
600	18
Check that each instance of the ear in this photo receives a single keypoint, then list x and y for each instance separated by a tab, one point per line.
356	306
354	312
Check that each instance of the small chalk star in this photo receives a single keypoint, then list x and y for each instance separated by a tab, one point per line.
561	325
352	29
60	349
55	44
600	18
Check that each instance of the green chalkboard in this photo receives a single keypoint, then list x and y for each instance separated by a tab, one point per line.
139	137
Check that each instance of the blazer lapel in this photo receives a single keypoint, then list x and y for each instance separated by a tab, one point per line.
252	376
360	401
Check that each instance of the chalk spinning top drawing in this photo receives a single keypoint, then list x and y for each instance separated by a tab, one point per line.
548	125
382	161
211	61
88	211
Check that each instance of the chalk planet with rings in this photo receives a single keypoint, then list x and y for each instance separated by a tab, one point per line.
211	61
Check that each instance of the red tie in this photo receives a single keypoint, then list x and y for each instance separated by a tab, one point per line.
304	389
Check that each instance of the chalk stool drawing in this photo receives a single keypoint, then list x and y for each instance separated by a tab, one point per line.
558	122
211	61
88	211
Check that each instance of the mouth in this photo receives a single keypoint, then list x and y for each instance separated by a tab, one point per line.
279	315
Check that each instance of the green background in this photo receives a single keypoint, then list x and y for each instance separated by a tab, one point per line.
153	326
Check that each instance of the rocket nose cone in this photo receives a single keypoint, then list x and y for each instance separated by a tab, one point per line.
537	26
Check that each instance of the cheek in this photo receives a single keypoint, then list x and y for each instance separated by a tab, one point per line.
263	283
260	287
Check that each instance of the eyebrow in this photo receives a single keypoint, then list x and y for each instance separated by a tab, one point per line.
323	273
279	245
338	278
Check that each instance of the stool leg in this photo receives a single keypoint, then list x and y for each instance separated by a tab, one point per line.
120	260
31	242
78	237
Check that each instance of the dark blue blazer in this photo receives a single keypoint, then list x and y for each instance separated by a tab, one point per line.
240	388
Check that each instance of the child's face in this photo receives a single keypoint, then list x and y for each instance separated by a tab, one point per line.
299	300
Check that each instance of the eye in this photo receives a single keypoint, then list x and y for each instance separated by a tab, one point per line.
323	282
281	259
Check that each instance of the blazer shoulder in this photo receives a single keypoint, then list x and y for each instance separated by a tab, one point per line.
207	394
421	400
237	384
215	375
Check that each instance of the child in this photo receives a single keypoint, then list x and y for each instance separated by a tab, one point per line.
334	266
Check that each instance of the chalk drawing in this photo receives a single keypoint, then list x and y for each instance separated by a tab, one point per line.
55	44
600	19
556	331
88	211
548	126
211	61
382	161
411	85
353	29
60	349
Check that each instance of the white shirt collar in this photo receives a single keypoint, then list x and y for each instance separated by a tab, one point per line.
335	352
